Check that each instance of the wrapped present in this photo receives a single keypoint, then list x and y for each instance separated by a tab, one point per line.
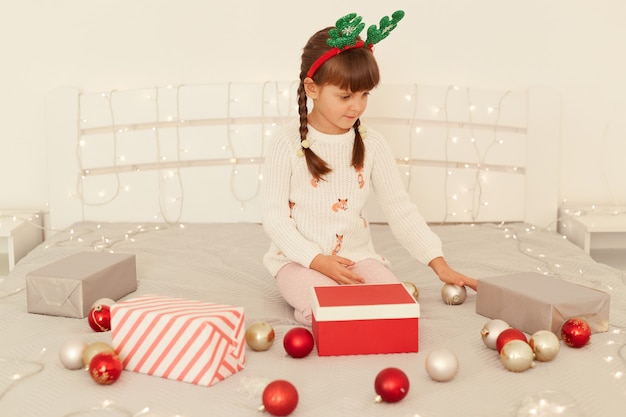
70	286
530	302
364	319
184	340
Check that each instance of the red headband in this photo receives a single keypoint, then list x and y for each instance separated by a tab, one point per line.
331	53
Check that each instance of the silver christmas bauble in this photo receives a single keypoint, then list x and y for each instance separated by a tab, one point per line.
441	365
453	294
491	330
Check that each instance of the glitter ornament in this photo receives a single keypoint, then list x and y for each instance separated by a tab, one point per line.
545	345
453	294
575	332
99	318
71	353
491	330
105	368
93	349
517	356
298	342
280	398
508	335
391	385
260	336
441	365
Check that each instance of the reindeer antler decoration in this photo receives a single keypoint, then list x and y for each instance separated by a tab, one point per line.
345	35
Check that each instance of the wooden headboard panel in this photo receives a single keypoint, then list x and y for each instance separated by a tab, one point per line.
193	153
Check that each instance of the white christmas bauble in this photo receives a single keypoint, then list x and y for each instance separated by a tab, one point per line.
103	302
442	365
71	353
491	330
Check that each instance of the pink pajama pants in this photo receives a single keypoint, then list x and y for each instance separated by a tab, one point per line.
295	281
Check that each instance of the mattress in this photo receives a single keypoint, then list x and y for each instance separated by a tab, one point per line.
222	263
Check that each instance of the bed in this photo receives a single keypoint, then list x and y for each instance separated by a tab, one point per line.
172	175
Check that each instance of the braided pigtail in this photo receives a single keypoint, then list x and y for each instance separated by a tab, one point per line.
316	165
358	149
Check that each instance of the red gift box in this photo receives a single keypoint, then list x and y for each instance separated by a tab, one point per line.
184	340
364	319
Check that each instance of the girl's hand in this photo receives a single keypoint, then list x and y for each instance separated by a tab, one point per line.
450	276
336	268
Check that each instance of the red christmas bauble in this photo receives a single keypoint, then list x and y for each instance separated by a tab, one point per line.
280	398
105	368
99	318
507	335
575	332
298	342
391	385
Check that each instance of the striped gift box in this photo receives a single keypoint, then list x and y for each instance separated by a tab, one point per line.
185	340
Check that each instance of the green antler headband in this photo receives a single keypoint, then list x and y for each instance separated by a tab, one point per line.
346	31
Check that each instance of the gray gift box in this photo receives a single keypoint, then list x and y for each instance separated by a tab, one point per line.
70	286
530	302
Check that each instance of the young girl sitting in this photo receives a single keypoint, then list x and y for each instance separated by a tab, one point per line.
320	172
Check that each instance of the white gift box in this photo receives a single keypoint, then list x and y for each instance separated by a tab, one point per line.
184	340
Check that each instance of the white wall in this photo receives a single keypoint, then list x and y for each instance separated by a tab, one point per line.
577	47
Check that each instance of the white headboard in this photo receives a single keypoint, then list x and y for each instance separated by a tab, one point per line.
193	153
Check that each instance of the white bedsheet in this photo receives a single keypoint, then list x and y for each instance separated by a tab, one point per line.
221	263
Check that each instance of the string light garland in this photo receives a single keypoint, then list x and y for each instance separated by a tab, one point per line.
16	377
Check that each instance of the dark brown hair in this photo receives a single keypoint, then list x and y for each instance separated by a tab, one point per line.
354	70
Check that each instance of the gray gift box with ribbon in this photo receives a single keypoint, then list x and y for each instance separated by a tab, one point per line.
69	287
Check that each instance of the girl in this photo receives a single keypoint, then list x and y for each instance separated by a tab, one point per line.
320	172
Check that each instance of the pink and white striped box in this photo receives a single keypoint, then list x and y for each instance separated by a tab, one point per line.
184	340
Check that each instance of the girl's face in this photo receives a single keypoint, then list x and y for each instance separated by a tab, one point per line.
335	110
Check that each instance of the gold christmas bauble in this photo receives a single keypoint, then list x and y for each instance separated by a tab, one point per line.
412	289
93	349
260	336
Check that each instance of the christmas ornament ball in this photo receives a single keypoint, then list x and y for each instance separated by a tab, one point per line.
280	398
103	302
412	289
517	356
453	294
508	335
298	342
575	332
545	345
391	385
260	336
441	365
99	318
93	349
491	330
71	353
105	368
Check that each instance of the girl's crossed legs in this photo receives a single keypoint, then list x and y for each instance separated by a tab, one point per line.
295	281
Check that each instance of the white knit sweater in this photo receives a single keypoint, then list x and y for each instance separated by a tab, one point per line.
304	218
